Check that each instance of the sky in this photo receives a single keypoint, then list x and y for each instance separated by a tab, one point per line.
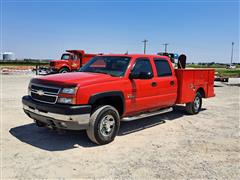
203	30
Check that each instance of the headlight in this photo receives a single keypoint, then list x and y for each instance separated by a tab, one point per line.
66	100
29	90
68	90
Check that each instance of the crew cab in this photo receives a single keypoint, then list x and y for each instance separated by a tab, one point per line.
113	88
70	61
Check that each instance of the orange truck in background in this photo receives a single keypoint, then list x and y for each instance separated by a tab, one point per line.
70	61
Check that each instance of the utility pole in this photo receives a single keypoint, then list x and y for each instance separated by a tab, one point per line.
232	54
145	44
165	46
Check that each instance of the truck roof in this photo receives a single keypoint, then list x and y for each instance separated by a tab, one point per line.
79	52
76	51
136	55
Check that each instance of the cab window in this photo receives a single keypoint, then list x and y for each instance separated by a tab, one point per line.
65	57
163	67
142	65
75	57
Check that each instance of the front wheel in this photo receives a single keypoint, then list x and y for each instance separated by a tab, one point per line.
104	125
63	70
195	106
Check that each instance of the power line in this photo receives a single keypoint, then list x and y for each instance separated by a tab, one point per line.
165	46
145	44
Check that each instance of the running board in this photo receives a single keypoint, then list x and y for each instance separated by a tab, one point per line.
132	118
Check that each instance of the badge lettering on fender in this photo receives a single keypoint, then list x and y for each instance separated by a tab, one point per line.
130	96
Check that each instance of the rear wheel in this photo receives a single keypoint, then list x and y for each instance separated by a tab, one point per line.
104	125
195	106
63	70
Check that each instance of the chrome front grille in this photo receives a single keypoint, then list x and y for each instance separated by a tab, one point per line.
43	93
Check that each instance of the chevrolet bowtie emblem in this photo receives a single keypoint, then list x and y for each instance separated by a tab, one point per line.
40	92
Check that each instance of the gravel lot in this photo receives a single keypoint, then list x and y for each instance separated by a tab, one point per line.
171	146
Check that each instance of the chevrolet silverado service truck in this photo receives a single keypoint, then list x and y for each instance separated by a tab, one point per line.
113	88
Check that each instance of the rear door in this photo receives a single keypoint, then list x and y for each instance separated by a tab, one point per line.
166	83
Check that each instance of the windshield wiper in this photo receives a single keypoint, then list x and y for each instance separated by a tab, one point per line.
102	72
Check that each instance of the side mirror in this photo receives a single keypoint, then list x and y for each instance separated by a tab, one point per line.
133	75
141	75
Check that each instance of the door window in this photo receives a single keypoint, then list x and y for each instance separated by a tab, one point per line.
163	68
75	57
142	65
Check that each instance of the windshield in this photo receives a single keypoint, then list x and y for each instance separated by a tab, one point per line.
112	65
65	57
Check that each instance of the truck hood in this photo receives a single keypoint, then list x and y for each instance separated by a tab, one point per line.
75	79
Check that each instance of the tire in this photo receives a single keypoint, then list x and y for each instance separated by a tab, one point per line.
63	70
195	106
104	125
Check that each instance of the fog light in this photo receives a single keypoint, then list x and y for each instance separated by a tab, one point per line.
65	100
63	124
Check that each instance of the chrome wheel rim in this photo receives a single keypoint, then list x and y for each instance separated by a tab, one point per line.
197	102
107	125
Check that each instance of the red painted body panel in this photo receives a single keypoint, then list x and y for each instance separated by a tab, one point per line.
190	80
139	94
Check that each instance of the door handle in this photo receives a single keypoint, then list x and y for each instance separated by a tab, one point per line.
172	83
154	84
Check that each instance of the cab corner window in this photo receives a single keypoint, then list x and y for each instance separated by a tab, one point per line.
163	68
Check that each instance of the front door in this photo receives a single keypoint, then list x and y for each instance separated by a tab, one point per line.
142	90
75	63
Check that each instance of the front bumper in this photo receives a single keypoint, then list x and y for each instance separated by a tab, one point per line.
53	70
59	116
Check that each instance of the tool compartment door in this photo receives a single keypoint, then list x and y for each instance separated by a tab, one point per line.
210	87
185	86
190	80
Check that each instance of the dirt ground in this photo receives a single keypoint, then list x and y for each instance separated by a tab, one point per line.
169	146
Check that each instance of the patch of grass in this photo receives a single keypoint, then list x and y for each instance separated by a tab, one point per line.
220	69
206	66
17	63
228	72
210	65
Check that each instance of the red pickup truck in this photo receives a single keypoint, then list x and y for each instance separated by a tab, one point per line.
71	60
113	88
